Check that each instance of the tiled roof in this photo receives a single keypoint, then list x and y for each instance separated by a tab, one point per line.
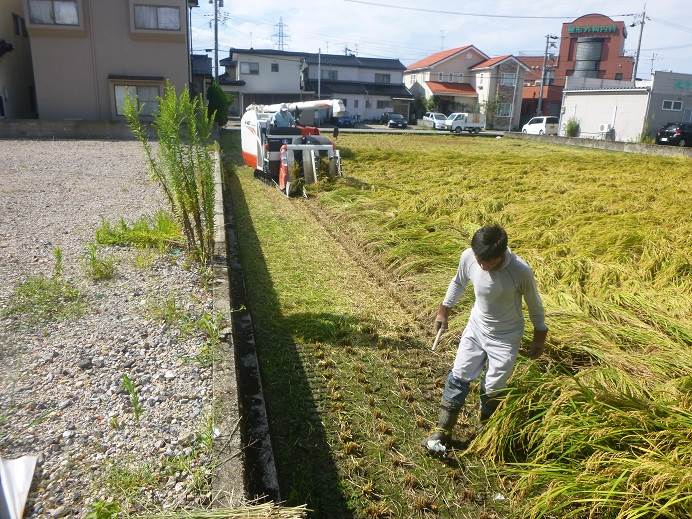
535	66
490	62
335	60
438	56
460	89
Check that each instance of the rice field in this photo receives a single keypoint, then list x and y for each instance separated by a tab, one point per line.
601	426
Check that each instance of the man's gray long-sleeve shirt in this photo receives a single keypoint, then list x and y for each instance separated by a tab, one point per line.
497	309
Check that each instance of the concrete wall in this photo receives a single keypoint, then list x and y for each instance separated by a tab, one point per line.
625	110
16	74
72	64
46	129
626	147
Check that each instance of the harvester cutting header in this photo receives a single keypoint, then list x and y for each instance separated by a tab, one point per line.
287	154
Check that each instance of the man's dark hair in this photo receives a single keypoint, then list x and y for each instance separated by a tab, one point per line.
489	242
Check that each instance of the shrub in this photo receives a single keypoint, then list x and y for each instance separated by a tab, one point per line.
219	101
184	168
572	127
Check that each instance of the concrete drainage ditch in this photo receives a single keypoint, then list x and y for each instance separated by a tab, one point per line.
255	448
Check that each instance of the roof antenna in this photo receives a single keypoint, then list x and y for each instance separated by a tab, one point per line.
442	40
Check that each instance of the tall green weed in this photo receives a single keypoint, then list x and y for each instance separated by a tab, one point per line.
183	165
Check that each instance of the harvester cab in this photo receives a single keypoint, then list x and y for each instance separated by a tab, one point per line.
289	156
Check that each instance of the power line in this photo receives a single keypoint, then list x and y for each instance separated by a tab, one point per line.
479	15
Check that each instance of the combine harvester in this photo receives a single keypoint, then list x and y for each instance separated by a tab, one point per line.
289	157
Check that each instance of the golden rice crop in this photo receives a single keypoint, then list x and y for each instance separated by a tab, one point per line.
601	427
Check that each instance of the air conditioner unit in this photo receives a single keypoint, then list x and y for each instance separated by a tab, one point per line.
605	127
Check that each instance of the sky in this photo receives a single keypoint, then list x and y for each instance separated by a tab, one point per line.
382	31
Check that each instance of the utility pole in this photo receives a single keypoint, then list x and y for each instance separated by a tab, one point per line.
442	40
548	37
216	39
319	80
514	97
640	22
653	58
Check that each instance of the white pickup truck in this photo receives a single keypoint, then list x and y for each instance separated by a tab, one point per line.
461	121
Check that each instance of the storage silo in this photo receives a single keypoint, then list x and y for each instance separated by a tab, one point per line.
588	57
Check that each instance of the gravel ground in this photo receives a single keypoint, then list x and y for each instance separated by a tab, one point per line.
61	394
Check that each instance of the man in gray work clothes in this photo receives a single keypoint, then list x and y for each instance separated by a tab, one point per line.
493	333
283	118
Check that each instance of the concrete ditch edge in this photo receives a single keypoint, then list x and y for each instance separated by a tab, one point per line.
228	485
261	479
625	147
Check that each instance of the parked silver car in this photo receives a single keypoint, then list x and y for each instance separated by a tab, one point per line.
435	120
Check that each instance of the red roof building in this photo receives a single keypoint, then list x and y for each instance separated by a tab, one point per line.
592	46
465	79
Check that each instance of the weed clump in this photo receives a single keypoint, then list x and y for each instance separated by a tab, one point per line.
160	231
46	298
98	269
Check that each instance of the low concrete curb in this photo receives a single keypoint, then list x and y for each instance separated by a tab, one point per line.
41	129
228	486
626	147
261	479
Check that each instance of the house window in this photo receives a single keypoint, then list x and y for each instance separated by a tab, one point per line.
145	95
249	67
275	67
504	109
345	102
157	18
17	24
506	79
383	104
440	76
383	78
54	12
331	75
367	103
618	75
672	106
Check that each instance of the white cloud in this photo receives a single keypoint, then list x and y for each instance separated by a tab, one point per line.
409	35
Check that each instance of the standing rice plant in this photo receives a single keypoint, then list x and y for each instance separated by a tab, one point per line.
183	166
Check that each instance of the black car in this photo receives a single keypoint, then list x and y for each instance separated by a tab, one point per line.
396	120
675	134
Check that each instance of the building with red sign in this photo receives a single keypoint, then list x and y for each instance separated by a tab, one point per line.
592	46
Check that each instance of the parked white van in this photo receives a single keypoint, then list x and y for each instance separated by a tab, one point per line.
544	125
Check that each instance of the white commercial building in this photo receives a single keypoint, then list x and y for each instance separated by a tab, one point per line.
623	110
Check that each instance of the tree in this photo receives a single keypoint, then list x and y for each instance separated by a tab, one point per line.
432	103
219	101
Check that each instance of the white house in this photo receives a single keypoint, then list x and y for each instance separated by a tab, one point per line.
623	111
368	86
465	79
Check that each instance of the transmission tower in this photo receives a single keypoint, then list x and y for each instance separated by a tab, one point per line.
280	37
